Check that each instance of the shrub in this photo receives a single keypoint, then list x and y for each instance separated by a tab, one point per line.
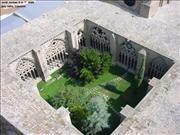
86	75
106	60
91	60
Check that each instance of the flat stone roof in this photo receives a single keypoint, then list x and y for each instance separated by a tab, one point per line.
127	111
27	111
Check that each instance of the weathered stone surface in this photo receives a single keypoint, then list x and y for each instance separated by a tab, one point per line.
156	114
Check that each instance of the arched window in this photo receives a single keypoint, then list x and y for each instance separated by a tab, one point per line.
56	53
26	69
99	40
157	68
128	56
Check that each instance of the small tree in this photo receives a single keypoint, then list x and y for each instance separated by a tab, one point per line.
91	60
98	116
106	60
140	74
86	75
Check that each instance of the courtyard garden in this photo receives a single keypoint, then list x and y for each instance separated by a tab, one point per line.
93	90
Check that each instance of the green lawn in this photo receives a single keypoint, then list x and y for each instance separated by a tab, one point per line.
119	96
53	86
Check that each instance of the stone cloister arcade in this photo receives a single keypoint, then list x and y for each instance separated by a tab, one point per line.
125	53
26	69
157	68
56	54
99	40
128	53
128	56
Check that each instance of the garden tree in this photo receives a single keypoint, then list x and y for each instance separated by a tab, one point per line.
58	100
93	63
98	116
91	60
78	115
86	75
106	60
140	73
75	100
69	98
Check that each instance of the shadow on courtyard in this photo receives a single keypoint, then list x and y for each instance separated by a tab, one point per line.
115	70
129	97
111	88
71	80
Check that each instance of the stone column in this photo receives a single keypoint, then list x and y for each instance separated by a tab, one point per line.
163	2
87	33
75	40
140	58
113	47
33	74
42	65
62	56
72	39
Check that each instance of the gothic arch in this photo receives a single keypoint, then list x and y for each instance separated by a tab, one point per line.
56	53
26	69
158	67
99	40
128	56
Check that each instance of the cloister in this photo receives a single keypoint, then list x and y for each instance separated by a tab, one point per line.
126	54
35	51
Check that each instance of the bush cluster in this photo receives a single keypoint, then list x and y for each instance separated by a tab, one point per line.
88	111
88	64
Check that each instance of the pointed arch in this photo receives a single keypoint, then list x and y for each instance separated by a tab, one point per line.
56	53
99	40
26	69
158	67
128	56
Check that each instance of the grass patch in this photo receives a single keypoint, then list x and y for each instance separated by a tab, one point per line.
53	86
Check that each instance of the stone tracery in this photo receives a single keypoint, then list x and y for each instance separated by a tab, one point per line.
56	53
26	69
99	40
157	68
128	56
